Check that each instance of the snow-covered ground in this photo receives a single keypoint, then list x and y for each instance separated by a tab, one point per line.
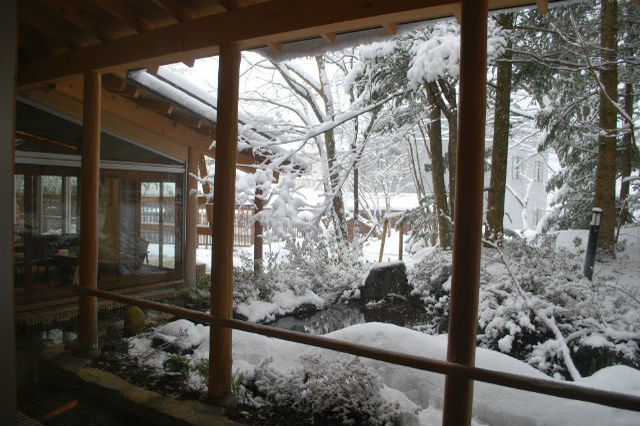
418	393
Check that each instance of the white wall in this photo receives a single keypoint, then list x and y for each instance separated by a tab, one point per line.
526	179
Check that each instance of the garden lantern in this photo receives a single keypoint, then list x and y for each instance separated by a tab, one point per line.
594	229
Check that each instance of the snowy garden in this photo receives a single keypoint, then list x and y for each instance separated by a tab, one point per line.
538	317
350	133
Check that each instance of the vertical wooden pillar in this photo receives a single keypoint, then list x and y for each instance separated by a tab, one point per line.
468	210
258	241
400	239
191	219
89	188
223	218
8	47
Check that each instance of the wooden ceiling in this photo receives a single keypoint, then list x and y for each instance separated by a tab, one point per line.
48	28
58	40
61	39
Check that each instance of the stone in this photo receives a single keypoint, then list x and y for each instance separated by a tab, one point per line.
384	279
134	321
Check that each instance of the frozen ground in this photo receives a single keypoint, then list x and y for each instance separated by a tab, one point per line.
418	393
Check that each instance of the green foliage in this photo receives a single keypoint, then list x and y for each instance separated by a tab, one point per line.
202	368
237	387
177	364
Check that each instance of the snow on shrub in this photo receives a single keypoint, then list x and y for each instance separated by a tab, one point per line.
535	305
314	272
327	392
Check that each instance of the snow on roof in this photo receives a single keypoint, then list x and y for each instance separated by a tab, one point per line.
318	46
177	89
166	86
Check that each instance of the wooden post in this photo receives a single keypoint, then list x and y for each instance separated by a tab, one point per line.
89	188
400	239
191	240
463	314
384	238
258	241
8	49
202	164
223	220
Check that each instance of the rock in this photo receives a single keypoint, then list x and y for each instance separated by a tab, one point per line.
134	321
389	278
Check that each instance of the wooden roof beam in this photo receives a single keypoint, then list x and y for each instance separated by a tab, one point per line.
330	38
145	118
47	27
112	82
276	46
288	20
38	43
125	14
176	9
543	6
77	14
390	28
157	105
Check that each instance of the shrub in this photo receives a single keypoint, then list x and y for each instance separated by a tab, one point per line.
324	392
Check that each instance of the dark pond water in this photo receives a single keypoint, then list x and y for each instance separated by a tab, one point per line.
393	309
57	403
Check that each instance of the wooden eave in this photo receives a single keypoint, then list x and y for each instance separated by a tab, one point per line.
59	40
118	35
161	124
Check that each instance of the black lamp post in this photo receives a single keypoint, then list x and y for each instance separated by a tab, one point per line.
590	257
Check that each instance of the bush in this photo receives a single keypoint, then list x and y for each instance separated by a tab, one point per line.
324	392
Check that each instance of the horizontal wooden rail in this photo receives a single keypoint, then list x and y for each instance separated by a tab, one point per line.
516	381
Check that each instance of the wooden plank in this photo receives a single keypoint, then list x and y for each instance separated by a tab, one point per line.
224	194
36	18
156	105
112	123
467	233
89	189
37	42
125	14
78	14
181	12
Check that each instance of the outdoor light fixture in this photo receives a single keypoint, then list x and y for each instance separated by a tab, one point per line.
596	214
590	257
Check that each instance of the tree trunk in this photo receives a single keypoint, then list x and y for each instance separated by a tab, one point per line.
606	167
449	92
437	168
627	154
500	150
334	183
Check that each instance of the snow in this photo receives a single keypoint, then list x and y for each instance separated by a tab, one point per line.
420	390
282	303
